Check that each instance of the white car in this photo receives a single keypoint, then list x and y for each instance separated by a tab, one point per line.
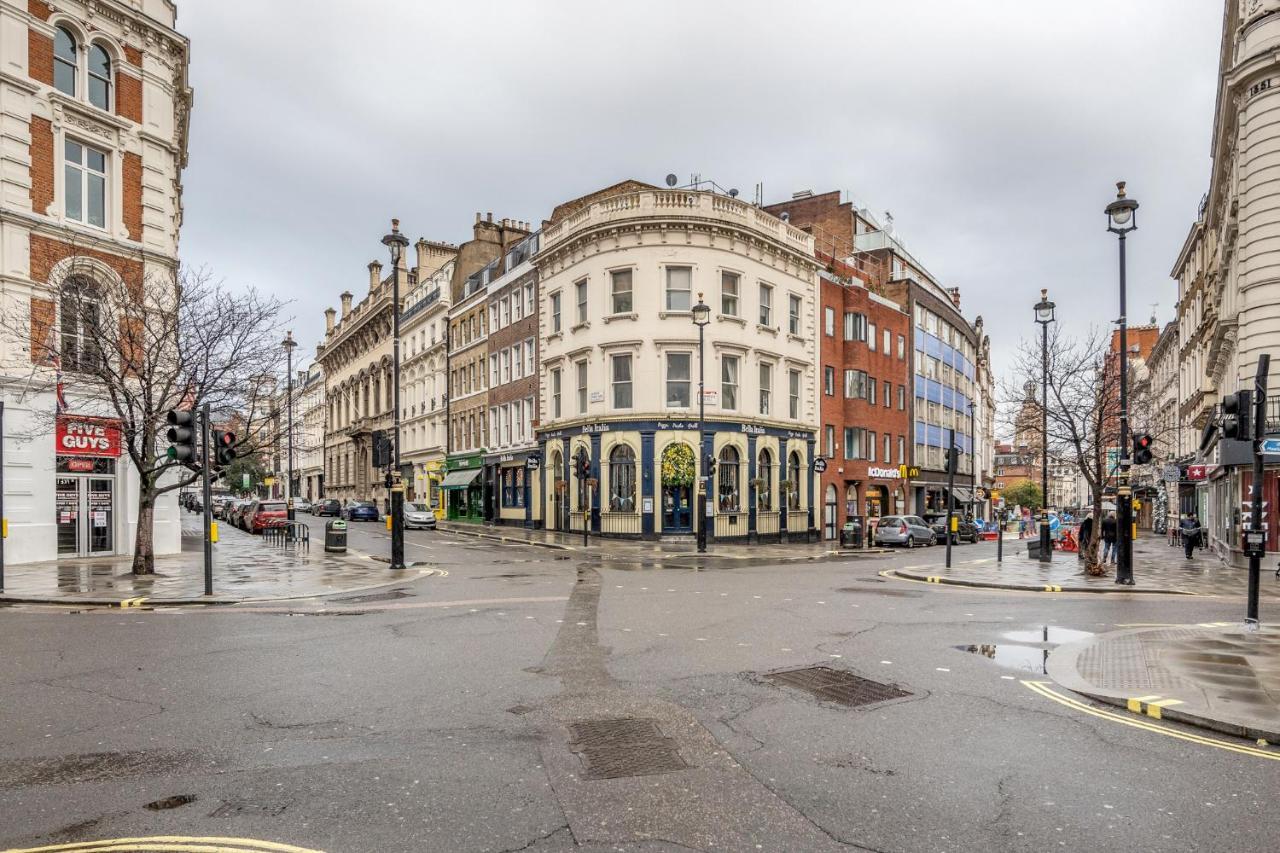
419	515
301	505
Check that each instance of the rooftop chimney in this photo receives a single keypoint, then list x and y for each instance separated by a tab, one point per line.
346	303
375	275
328	320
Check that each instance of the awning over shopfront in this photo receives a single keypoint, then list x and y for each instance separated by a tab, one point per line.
459	479
963	496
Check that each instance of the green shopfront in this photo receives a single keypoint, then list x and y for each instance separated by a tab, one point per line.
463	487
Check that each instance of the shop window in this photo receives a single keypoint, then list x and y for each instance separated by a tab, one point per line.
793	474
622	479
764	477
729	472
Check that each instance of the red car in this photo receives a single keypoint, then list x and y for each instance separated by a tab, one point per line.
263	514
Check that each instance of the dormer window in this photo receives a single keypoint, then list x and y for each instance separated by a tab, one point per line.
99	77
64	62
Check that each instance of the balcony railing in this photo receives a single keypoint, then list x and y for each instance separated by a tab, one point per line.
677	203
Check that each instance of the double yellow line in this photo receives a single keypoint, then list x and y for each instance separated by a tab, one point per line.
169	844
133	602
1041	687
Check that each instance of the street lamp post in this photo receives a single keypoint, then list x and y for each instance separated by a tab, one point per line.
396	243
1122	218
289	343
973	463
1044	316
701	317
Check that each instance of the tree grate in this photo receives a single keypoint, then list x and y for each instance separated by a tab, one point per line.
615	749
833	685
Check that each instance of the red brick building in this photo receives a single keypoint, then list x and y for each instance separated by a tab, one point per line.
864	417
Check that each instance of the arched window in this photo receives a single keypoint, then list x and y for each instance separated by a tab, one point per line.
622	479
64	61
793	474
81	348
99	77
730	491
764	474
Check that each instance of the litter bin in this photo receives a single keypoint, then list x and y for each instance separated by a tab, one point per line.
851	535
335	536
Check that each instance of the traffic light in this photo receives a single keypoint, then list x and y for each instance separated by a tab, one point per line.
583	465
182	436
711	465
1237	416
953	459
1142	449
381	449
226	448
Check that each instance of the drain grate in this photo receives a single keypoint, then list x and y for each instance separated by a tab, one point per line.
834	685
615	749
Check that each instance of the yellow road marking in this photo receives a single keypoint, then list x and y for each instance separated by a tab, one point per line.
173	844
1041	688
133	602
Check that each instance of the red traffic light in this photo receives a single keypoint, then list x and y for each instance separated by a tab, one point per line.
226	439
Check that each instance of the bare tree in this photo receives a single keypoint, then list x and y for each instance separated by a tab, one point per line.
133	349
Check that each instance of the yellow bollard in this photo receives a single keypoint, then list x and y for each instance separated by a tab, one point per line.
4	528
388	521
213	531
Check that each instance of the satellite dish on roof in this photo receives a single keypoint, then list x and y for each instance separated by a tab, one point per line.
671	180
733	193
786	217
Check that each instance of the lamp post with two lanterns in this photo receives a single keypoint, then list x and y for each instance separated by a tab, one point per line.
1044	316
1121	219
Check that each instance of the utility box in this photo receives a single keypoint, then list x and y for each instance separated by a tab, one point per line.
335	536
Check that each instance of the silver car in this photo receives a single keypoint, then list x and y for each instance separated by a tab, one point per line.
419	515
906	530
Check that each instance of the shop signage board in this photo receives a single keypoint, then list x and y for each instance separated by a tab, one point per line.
1171	473
83	436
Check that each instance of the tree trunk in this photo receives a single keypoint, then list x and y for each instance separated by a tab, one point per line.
144	551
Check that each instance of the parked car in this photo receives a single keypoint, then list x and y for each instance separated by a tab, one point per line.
906	530
241	512
301	505
263	513
966	531
360	511
327	507
419	515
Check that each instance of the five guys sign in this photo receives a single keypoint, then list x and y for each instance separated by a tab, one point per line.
80	436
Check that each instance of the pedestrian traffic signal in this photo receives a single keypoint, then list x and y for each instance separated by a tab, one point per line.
1237	416
181	435
711	465
226	448
953	459
1142	446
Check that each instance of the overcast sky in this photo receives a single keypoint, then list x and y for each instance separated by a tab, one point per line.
994	131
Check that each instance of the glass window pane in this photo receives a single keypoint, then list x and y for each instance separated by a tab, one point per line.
96	160
64	44
99	62
98	93
64	77
73	152
97	206
74	208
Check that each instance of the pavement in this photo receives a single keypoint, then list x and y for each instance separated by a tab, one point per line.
1220	676
1157	568
245	568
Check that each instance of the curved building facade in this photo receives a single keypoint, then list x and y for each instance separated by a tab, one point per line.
619	273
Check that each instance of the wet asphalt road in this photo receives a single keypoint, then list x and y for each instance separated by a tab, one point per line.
442	717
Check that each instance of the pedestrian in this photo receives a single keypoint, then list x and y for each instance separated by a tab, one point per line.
1109	538
1190	526
1086	534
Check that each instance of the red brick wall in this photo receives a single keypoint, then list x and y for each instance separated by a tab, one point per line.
39	9
45	253
41	164
128	97
133	56
40	57
42	318
131	183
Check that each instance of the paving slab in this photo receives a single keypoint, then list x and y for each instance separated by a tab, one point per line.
1224	677
1157	568
245	568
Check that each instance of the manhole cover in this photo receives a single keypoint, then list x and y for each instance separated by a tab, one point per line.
390	595
834	685
613	749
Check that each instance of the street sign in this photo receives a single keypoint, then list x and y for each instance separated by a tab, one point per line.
819	465
244	480
1269	445
532	463
980	494
1171	473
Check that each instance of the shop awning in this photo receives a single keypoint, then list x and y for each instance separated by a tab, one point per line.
963	496
459	479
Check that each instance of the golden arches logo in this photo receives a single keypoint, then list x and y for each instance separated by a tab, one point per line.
169	844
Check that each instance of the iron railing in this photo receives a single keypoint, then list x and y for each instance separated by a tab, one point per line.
620	523
730	524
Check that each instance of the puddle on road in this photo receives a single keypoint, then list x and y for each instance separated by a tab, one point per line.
1029	650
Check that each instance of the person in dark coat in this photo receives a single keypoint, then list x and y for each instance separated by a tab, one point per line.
1190	526
1086	534
1109	529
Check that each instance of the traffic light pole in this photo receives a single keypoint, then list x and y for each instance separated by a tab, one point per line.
1255	488
206	448
951	485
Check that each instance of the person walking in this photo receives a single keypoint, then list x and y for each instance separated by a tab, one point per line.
1109	538
1190	526
1086	535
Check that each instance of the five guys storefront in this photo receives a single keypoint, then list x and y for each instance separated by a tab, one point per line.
87	457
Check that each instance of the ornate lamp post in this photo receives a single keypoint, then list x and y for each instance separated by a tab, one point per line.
1122	217
1044	316
701	317
396	243
289	343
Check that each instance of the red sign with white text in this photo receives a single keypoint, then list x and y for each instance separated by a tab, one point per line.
77	436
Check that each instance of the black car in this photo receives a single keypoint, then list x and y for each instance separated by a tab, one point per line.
966	531
329	507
